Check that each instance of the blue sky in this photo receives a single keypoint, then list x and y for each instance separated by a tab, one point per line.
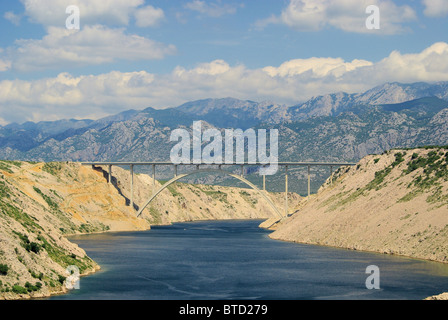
131	54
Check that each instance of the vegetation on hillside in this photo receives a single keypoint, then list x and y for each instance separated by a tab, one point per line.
429	170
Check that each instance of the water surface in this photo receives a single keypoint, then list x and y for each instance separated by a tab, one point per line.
237	260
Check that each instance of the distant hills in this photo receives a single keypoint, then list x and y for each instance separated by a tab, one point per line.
339	126
389	93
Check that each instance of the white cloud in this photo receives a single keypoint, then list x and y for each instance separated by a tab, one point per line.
213	68
435	8
212	9
346	15
89	46
95	43
293	81
316	67
66	96
110	12
4	64
149	16
12	17
305	14
429	65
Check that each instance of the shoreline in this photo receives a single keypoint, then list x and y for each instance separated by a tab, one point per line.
62	291
361	250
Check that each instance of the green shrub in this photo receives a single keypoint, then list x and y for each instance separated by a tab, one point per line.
53	205
52	168
398	159
433	165
4	269
4	190
27	244
30	288
379	178
34	247
61	279
19	290
37	276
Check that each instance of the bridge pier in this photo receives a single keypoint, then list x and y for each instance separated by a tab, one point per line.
286	191
109	177
153	178
309	182
331	175
132	186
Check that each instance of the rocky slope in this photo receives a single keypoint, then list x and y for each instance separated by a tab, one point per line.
41	203
393	203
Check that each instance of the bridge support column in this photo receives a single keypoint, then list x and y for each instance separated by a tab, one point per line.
153	178
132	186
309	182
286	191
109	177
264	182
175	170
331	175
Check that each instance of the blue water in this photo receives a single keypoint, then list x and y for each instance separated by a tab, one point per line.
237	260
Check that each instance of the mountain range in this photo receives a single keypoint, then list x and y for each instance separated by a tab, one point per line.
332	127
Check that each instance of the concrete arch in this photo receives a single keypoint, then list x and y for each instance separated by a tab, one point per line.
180	176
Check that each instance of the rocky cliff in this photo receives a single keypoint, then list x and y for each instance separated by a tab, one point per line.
393	203
41	203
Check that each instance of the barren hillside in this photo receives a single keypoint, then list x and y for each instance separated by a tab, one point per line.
393	203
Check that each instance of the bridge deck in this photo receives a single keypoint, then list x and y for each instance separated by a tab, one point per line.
335	164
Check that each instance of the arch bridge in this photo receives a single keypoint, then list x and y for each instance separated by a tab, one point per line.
215	169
